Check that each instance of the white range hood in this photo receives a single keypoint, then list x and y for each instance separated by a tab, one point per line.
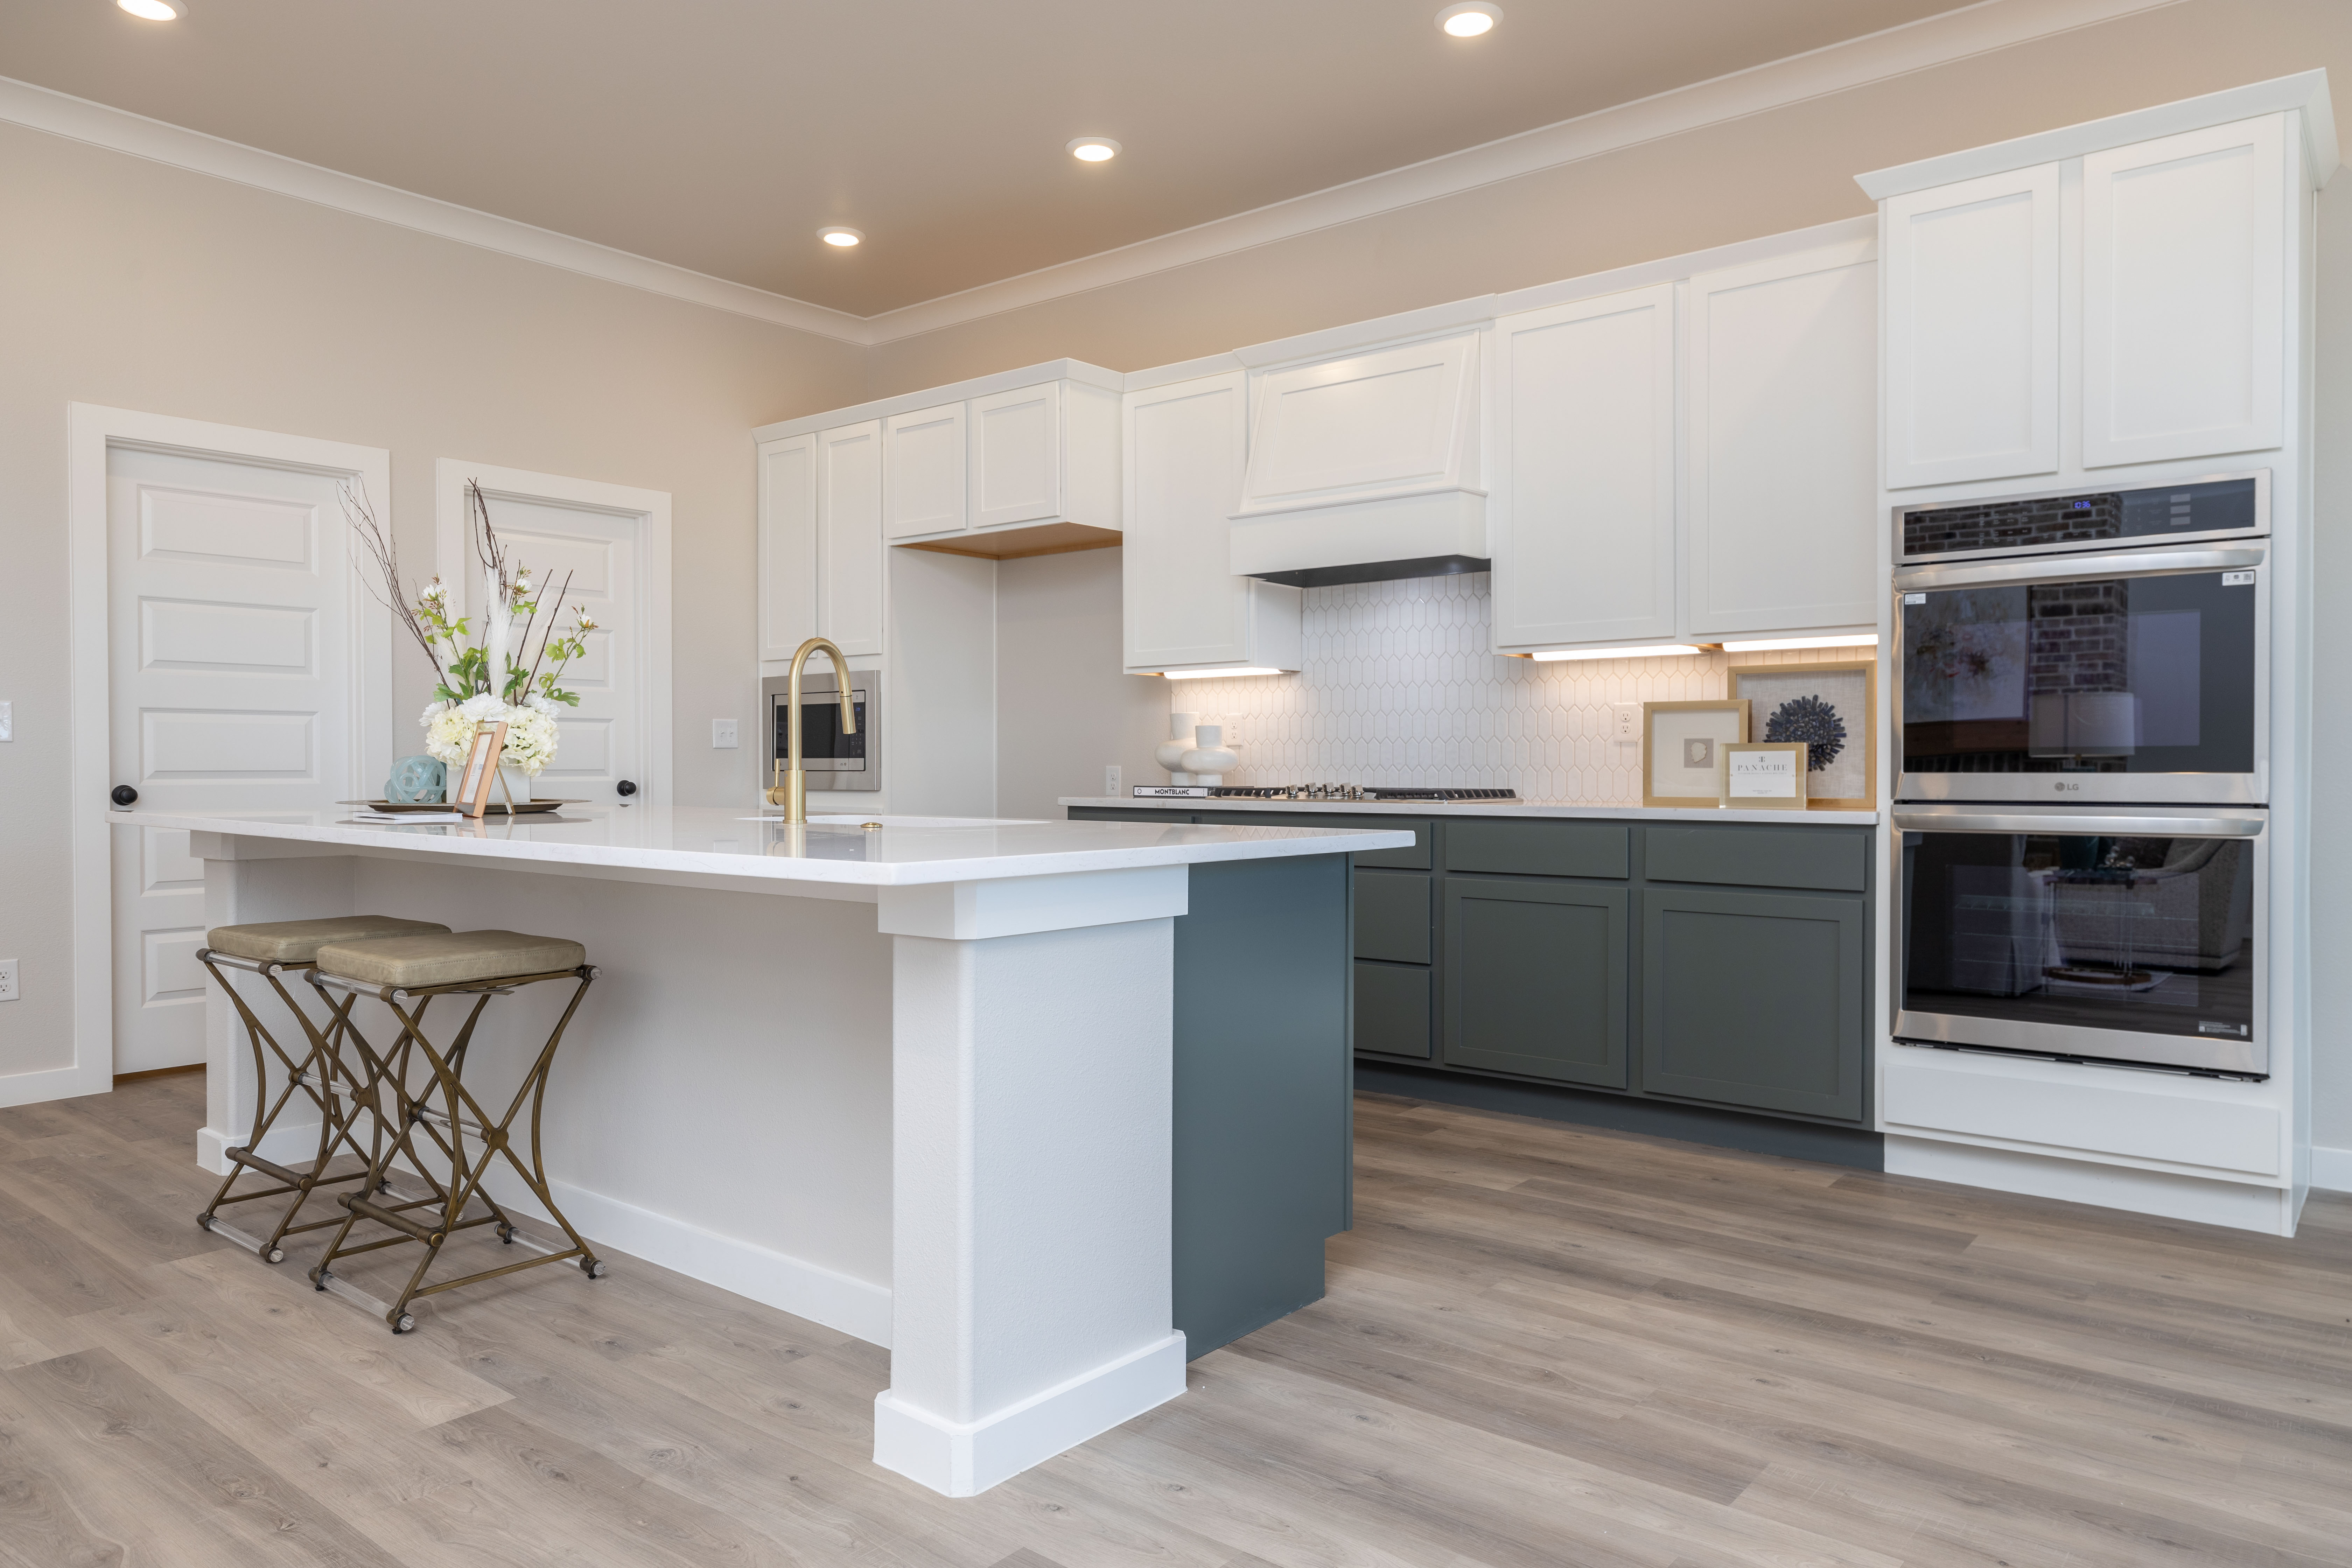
1365	467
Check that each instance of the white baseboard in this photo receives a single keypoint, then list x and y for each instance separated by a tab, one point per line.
2242	1205
963	1458
2331	1169
772	1279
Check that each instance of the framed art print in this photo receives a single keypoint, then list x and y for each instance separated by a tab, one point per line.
1764	776
1681	749
1830	707
472	795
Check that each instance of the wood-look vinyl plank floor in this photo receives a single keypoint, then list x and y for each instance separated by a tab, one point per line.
1543	1345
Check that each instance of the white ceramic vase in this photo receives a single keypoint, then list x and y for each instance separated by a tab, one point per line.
1209	760
1170	751
518	784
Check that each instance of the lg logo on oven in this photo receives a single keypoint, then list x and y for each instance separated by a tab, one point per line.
2062	786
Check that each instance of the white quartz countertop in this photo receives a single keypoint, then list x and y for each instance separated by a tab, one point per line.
731	841
1478	808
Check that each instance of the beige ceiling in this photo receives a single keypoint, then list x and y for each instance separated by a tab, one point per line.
721	134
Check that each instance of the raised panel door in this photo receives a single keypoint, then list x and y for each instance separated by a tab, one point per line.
1535	979
849	536
2184	305
1972	318
787	546
1581	517
1755	999
1016	456
923	473
1780	478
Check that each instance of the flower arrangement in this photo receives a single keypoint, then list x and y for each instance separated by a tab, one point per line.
495	676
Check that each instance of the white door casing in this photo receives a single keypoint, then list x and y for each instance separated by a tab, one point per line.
615	541
224	652
1581	520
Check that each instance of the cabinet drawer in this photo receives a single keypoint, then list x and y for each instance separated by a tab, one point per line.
1393	916
1392	1010
1755	999
1413	859
1535	979
1828	859
1540	848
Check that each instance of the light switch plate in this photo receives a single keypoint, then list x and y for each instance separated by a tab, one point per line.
1112	782
722	734
1628	721
7	980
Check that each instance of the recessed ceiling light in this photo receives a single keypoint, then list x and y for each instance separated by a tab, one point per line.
843	238
155	10
1469	19
1094	149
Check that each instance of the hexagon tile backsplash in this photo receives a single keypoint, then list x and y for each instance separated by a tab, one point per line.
1396	686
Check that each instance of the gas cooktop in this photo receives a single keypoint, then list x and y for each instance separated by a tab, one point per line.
1352	792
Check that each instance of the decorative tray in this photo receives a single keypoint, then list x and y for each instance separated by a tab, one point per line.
495	808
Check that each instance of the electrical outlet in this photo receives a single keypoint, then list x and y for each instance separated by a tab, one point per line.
1233	731
1112	782
7	720
8	992
722	734
1628	717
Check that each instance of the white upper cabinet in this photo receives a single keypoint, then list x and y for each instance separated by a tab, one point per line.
1016	456
1972	329
787	544
2184	313
849	589
1781	468
1183	449
923	472
1397	421
1581	520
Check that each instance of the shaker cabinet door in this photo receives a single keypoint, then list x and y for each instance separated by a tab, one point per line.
1755	999
923	473
1535	979
1016	456
849	536
2184	307
1580	520
787	546
1780	478
1972	329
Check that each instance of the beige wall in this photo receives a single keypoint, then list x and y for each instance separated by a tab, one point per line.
132	284
1064	709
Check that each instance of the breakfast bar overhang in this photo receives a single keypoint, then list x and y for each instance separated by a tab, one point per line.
947	1054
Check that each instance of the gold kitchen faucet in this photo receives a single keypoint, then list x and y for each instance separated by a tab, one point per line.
790	790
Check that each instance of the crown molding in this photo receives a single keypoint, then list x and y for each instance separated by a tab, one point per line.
1931	41
119	131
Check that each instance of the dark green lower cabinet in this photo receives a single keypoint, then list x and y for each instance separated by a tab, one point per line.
1392	1009
1535	979
1755	999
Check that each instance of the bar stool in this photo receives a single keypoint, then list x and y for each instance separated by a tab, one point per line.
268	949
406	974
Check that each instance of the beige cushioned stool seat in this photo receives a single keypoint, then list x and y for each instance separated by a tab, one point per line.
298	942
415	962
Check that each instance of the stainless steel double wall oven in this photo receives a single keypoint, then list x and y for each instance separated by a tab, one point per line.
2081	699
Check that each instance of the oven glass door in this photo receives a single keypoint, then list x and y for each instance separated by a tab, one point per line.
2139	946
2099	679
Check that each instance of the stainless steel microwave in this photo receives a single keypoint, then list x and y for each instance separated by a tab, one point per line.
2123	935
833	761
2114	677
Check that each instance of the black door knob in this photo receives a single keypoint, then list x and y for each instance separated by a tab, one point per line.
124	794
624	788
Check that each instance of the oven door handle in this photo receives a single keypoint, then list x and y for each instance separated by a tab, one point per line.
2065	568
2073	824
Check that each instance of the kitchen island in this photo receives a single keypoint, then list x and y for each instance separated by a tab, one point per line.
1023	1102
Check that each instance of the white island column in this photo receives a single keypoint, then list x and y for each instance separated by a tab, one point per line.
1031	1199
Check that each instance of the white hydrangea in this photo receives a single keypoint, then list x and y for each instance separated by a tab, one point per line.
532	733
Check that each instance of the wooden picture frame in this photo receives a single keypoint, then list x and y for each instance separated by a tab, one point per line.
1793	801
471	793
1849	780
1688	775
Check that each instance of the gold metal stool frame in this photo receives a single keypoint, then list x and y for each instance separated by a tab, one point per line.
447	1126
315	1075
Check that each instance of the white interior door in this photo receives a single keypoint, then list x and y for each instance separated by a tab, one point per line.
232	665
612	542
